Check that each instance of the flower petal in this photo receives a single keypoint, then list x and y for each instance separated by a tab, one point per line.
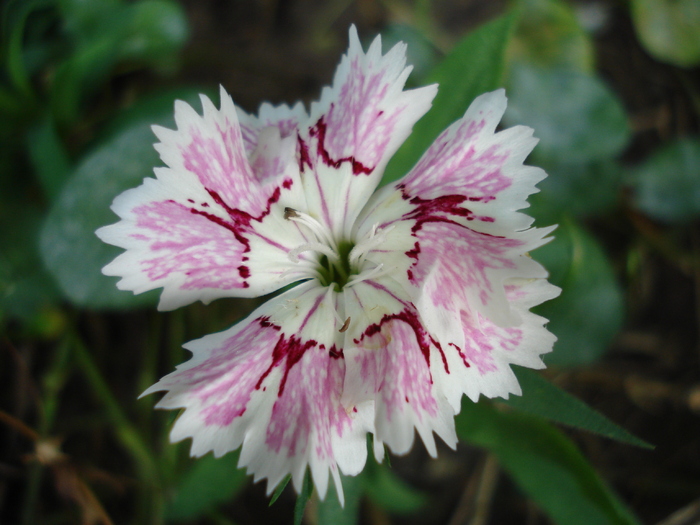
481	364
355	129
389	356
272	384
210	225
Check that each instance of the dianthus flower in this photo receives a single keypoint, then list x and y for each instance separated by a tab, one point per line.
403	299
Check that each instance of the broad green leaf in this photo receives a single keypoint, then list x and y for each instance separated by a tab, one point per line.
69	247
576	116
303	498
581	189
157	31
667	185
590	310
390	492
542	398
329	510
545	464
548	34
210	482
25	287
473	67
420	53
669	29
48	157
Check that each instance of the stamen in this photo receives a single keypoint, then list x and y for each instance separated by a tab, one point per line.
345	326
374	272
311	247
372	240
322	234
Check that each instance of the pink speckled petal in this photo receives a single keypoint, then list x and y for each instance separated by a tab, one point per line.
480	363
389	356
272	384
355	129
210	225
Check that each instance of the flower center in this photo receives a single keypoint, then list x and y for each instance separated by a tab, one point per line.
341	263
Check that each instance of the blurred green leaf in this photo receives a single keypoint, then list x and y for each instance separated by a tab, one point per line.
390	492
581	189
575	116
279	489
420	53
542	398
473	67
144	33
210	482
669	29
157	32
667	185
545	464
329	510
48	157
303	498
590	310
548	34
69	247
25	287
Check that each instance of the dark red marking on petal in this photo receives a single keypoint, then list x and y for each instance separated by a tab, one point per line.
190	200
319	131
287	184
288	350
244	271
336	353
304	157
461	354
406	398
423	339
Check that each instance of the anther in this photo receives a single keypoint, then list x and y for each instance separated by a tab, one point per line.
290	213
345	326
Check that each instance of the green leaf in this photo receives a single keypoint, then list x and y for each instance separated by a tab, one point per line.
473	67
157	31
390	492
420	53
209	482
669	29
545	464
581	189
49	157
667	186
329	510
590	310
548	34
69	247
542	398
303	498
576	117
279	490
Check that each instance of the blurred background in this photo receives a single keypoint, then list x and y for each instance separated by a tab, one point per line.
611	87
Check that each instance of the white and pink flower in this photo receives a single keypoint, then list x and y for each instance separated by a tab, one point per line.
406	298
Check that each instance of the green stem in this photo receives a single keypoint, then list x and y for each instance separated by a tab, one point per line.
129	437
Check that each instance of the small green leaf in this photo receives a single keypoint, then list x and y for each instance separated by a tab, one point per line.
548	34
69	247
209	482
545	464
576	117
473	67
303	498
49	157
669	29
390	492
278	491
542	398
329	510
581	189
667	186
590	310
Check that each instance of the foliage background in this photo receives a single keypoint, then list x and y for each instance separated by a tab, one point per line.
612	89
